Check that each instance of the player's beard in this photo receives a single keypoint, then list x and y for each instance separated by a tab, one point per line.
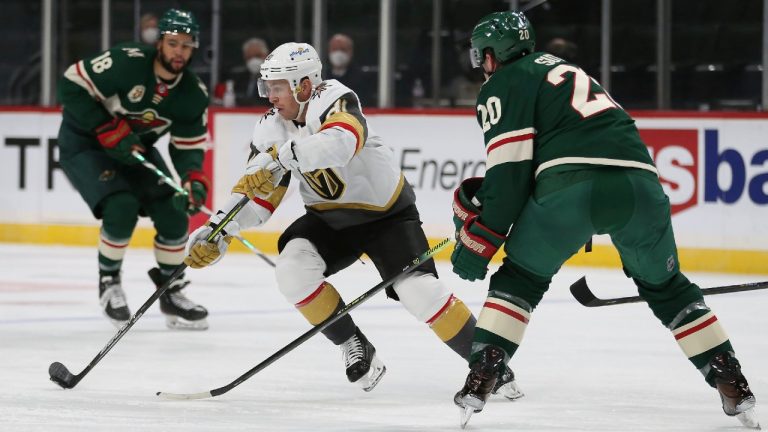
168	66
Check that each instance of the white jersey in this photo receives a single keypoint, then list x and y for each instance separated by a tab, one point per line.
348	176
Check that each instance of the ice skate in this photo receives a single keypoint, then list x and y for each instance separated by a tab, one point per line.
738	400
483	374
363	367
112	300
507	386
180	312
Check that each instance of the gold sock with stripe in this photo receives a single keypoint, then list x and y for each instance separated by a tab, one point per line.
323	303
454	324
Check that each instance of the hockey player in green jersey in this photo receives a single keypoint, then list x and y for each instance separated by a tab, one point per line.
121	101
564	162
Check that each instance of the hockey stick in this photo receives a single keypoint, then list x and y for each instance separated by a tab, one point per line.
169	181
63	377
584	295
532	4
313	331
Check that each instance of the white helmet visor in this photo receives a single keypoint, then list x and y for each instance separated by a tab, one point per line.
277	88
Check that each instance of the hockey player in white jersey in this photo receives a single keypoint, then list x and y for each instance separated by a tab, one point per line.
357	201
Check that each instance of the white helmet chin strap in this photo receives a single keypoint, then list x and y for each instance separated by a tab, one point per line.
302	105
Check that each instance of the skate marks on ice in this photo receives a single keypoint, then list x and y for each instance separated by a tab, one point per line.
582	369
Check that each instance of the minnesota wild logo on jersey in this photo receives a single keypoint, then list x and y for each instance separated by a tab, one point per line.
147	121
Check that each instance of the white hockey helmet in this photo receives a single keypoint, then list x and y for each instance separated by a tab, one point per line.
292	61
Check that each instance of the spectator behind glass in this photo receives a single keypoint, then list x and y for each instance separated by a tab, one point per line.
341	50
246	75
149	31
562	48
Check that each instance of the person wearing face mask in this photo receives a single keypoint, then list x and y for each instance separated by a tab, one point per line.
247	74
340	53
149	31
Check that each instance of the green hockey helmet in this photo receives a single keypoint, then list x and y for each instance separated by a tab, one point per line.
509	34
176	21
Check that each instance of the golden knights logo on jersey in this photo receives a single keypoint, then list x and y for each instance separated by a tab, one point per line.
325	182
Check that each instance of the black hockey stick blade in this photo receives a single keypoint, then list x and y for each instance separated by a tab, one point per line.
64	378
581	292
313	331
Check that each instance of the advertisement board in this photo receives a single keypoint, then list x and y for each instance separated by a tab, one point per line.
714	168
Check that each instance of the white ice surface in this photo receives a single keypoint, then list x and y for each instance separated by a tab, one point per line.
607	369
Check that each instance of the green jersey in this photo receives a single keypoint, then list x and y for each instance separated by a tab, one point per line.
122	82
541	112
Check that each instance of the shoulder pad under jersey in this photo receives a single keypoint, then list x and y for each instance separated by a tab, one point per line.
323	96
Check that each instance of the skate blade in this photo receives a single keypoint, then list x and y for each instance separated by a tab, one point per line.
374	375
464	415
174	322
749	419
510	391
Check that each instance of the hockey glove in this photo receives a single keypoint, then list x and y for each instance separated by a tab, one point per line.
119	141
464	206
196	186
286	156
261	177
476	244
201	253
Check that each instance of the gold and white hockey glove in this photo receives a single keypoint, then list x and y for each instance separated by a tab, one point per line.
200	252
261	177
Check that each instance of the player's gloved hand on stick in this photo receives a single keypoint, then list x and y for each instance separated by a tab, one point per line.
201	253
119	141
463	206
262	175
196	185
476	244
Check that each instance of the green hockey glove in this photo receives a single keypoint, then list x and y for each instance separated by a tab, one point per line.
463	207
476	245
119	141
196	186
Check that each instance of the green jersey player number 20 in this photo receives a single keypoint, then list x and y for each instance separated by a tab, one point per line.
565	162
